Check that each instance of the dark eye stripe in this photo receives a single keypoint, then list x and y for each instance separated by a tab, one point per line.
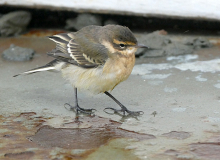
122	45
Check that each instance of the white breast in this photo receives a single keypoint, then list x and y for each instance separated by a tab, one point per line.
93	80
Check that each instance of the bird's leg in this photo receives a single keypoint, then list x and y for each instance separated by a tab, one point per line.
77	108
123	108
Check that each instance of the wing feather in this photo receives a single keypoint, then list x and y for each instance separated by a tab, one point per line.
78	50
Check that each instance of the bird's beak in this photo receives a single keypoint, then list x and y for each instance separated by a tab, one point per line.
141	46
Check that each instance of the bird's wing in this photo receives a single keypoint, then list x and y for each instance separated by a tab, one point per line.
79	51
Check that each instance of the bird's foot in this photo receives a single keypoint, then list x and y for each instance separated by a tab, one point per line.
124	110
78	109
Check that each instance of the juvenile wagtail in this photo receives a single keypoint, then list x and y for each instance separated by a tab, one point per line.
94	58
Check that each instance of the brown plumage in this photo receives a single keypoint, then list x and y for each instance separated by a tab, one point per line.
94	58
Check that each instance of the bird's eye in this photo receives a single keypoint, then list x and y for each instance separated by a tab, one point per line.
122	46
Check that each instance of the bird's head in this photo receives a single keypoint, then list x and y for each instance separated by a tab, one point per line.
120	39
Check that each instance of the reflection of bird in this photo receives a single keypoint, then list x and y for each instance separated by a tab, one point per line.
94	58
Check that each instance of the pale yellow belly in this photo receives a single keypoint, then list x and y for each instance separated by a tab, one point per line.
97	80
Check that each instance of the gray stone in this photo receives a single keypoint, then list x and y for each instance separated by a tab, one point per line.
176	49
156	41
153	53
83	20
110	21
15	53
199	42
161	44
14	23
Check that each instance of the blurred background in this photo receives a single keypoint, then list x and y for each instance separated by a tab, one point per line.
176	16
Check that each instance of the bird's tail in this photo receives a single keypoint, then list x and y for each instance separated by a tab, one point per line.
47	67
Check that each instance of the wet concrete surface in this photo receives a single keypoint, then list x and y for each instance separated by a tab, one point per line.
29	136
180	97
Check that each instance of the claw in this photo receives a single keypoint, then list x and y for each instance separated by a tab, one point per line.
124	110
92	110
70	107
115	110
137	113
78	109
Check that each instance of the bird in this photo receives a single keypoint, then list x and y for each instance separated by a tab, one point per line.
94	59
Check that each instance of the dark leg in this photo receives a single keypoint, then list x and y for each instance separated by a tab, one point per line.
123	108
76	107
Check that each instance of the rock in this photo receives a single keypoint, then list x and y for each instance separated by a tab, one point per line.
83	20
14	23
140	52
175	49
110	21
15	53
153	53
156	41
161	45
199	42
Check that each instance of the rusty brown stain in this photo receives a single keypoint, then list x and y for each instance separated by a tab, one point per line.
68	155
177	135
42	32
83	138
25	136
28	42
21	155
14	144
172	152
206	150
216	41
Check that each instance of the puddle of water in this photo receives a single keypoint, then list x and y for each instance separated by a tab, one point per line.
26	136
84	138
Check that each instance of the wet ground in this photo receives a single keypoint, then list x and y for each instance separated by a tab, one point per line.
180	97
